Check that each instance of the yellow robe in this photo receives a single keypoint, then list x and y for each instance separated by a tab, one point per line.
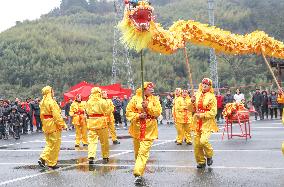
143	145
183	118
280	99
98	111
77	111
52	125
202	147
110	121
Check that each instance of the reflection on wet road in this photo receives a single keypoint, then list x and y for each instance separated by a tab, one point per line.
256	162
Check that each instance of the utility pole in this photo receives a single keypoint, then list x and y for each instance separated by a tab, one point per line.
121	66
213	61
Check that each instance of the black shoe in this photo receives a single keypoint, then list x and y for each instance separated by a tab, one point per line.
179	143
0	137
41	162
116	142
105	160
175	141
91	160
201	166
76	145
85	145
53	167
189	143
138	180
209	161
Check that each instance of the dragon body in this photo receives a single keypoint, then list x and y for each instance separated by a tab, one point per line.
140	31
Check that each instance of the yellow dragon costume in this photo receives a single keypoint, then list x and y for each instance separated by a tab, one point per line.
140	31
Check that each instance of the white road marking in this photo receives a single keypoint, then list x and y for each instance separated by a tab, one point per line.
184	166
68	167
268	128
150	165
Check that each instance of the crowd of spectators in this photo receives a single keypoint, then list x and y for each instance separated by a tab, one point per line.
262	102
23	114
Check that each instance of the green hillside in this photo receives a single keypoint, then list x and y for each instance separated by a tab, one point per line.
74	43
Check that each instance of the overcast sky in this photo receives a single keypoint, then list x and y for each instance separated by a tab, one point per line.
19	10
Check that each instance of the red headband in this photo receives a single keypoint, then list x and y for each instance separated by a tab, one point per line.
207	82
150	85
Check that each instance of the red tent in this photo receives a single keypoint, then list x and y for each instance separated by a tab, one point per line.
84	89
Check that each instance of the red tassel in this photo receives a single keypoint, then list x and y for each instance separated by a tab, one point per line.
142	129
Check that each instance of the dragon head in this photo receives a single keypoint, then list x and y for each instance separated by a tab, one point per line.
140	13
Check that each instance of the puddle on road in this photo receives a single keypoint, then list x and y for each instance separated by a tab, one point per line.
82	165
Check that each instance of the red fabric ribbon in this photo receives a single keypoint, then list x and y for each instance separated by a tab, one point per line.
200	109
142	128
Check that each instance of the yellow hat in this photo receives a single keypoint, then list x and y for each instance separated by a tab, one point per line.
96	90
46	90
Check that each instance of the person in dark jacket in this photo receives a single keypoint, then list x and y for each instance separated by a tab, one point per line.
36	111
124	105
272	104
228	98
118	107
24	116
257	103
264	105
16	121
168	108
67	110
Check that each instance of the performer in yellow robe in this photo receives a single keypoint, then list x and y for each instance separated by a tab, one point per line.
143	126
98	111
77	111
52	125
280	99
183	118
110	119
205	104
177	96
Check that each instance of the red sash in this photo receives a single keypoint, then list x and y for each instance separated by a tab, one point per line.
47	116
96	115
200	110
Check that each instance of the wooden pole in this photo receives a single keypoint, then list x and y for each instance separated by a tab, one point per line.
271	71
142	74
189	71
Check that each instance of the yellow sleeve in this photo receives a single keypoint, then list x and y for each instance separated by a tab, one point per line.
179	106
190	106
72	109
105	108
154	107
88	107
111	106
56	113
131	112
280	99
213	109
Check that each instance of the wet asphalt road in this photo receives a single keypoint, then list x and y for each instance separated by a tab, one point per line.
237	162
